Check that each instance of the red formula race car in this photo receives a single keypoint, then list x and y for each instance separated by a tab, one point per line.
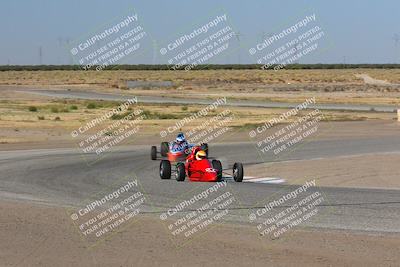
198	168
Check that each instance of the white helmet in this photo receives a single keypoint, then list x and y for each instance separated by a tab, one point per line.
180	138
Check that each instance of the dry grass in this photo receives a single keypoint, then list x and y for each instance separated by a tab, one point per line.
18	124
115	78
328	86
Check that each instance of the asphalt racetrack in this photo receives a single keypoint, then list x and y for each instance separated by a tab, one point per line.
70	178
64	178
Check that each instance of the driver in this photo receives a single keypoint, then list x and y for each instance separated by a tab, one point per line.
201	154
180	142
197	154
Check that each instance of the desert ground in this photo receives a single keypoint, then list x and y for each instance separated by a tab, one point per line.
40	235
354	155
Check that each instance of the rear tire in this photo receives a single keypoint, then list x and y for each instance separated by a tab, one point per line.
153	153
238	172
164	149
218	166
165	169
180	172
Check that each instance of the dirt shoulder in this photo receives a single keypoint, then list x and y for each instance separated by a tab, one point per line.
35	235
363	171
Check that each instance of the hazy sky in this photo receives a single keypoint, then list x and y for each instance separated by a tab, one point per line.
356	31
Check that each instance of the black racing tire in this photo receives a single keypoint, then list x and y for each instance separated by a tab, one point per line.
164	148
238	172
165	169
153	153
180	172
218	166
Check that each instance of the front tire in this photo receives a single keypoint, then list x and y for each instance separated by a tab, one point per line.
238	172
153	153
180	172
218	166
165	169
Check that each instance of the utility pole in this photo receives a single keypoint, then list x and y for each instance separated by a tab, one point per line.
155	51
396	39
59	39
264	36
67	41
40	55
238	34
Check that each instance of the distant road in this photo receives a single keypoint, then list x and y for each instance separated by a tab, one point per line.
170	100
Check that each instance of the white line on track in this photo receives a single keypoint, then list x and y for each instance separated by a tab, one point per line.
263	180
